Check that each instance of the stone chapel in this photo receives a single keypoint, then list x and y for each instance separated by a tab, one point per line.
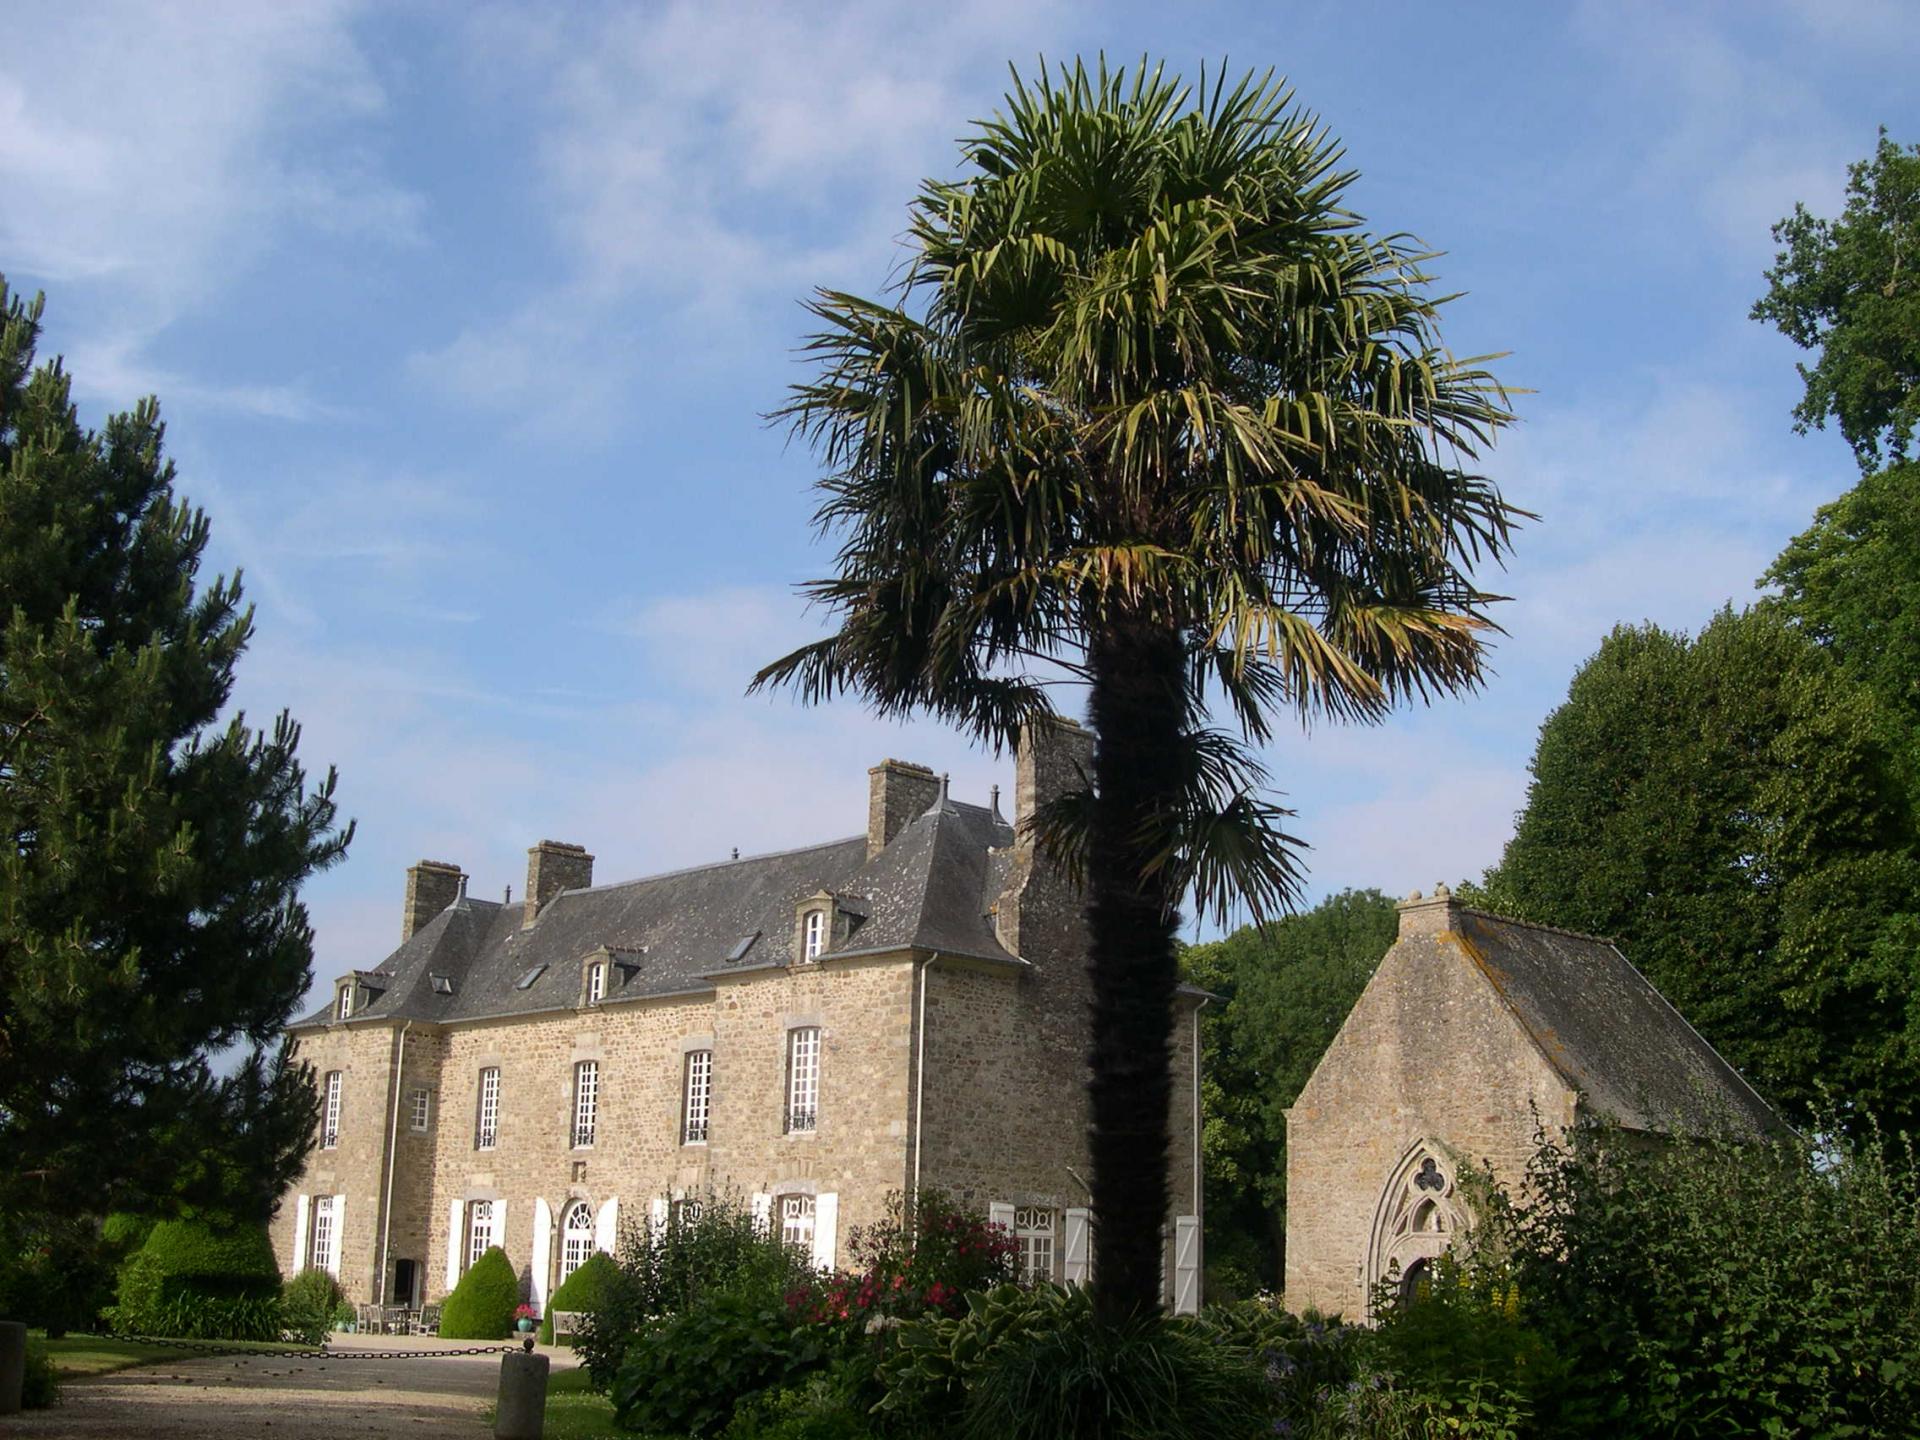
1474	1032
811	1031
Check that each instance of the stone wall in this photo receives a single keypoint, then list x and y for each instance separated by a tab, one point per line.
1430	1053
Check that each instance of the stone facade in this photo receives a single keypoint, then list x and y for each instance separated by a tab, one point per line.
1474	1033
951	1045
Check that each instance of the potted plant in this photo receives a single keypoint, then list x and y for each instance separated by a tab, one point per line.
526	1318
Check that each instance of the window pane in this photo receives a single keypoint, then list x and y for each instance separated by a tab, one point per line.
796	1220
330	1113
576	1242
699	1097
803	1079
586	1101
487	1125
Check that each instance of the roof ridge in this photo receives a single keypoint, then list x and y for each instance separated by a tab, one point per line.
1606	940
710	865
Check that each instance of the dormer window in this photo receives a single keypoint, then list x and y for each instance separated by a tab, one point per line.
816	936
343	1001
596	982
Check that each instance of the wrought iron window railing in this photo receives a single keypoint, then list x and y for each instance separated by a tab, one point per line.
799	1120
582	1136
483	1139
696	1133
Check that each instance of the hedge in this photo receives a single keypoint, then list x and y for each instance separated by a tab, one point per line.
195	1268
481	1306
581	1290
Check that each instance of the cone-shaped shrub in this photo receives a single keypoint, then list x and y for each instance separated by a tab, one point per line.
481	1306
581	1290
196	1277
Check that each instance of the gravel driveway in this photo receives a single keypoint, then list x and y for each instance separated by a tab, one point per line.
282	1398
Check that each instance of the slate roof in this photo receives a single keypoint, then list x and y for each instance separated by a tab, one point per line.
930	888
1611	1035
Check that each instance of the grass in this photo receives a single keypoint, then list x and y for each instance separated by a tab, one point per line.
79	1356
576	1412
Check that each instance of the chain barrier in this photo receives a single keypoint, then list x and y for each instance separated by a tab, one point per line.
223	1349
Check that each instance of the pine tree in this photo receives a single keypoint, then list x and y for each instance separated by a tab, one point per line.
150	924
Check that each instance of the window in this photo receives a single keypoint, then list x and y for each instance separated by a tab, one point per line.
687	1212
596	982
320	1245
343	1006
576	1238
796	1221
480	1236
816	934
586	1101
330	1112
422	1110
486	1127
803	1079
1033	1229
699	1097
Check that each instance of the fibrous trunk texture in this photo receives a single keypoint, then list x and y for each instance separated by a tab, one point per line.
1138	708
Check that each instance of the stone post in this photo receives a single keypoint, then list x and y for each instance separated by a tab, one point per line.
521	1412
13	1365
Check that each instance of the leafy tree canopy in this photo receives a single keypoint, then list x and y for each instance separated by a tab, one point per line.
1850	290
1284	991
1730	809
149	911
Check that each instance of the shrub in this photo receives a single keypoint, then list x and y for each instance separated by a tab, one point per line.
685	1374
822	1409
42	1388
585	1291
1719	1287
196	1274
56	1271
925	1258
481	1306
1461	1346
307	1304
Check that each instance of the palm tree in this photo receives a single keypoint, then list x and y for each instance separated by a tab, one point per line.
1150	413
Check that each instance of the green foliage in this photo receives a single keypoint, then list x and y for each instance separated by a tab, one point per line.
157	849
1850	290
1147	404
686	1373
1708	1287
1731	809
821	1409
670	1271
910	1262
308	1302
201	1279
584	1291
57	1270
41	1390
481	1306
1285	990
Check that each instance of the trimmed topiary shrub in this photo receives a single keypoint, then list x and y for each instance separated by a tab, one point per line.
199	1279
585	1289
481	1306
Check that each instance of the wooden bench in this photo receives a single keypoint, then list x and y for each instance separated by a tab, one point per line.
566	1323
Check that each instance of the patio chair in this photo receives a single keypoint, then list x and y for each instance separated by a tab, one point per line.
393	1320
427	1321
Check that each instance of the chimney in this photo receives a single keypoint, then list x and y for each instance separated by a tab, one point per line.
432	886
553	866
1038	913
897	791
1431	915
1053	758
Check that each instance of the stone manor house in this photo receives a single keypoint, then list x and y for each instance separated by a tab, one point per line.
809	1031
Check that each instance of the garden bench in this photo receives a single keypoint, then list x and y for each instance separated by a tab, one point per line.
566	1323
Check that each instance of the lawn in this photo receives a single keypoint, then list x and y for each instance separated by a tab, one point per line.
574	1412
78	1356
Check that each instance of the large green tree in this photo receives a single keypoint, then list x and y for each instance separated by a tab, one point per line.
149	914
1850	290
1151	411
1730	809
1284	991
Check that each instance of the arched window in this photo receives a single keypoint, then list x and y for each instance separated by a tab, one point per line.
576	1238
1415	1219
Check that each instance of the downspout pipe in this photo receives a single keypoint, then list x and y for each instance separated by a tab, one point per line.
920	1072
393	1163
1198	1212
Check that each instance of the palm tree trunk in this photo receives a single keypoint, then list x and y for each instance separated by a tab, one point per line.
1138	706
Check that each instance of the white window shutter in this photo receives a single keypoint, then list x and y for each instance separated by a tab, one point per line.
499	1233
763	1212
542	1250
1077	1259
657	1216
1186	1265
300	1223
455	1209
999	1213
339	1235
606	1225
826	1226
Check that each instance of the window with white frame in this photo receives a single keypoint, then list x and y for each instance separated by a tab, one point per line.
576	1238
699	1098
480	1226
687	1212
596	982
486	1125
1033	1230
321	1242
421	1110
796	1221
343	1005
803	1079
330	1112
586	1101
816	935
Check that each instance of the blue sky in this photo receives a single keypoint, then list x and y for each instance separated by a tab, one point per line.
465	316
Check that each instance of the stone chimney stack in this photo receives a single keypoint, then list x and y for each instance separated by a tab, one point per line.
1053	758
1429	915
553	866
1038	913
897	791
432	886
